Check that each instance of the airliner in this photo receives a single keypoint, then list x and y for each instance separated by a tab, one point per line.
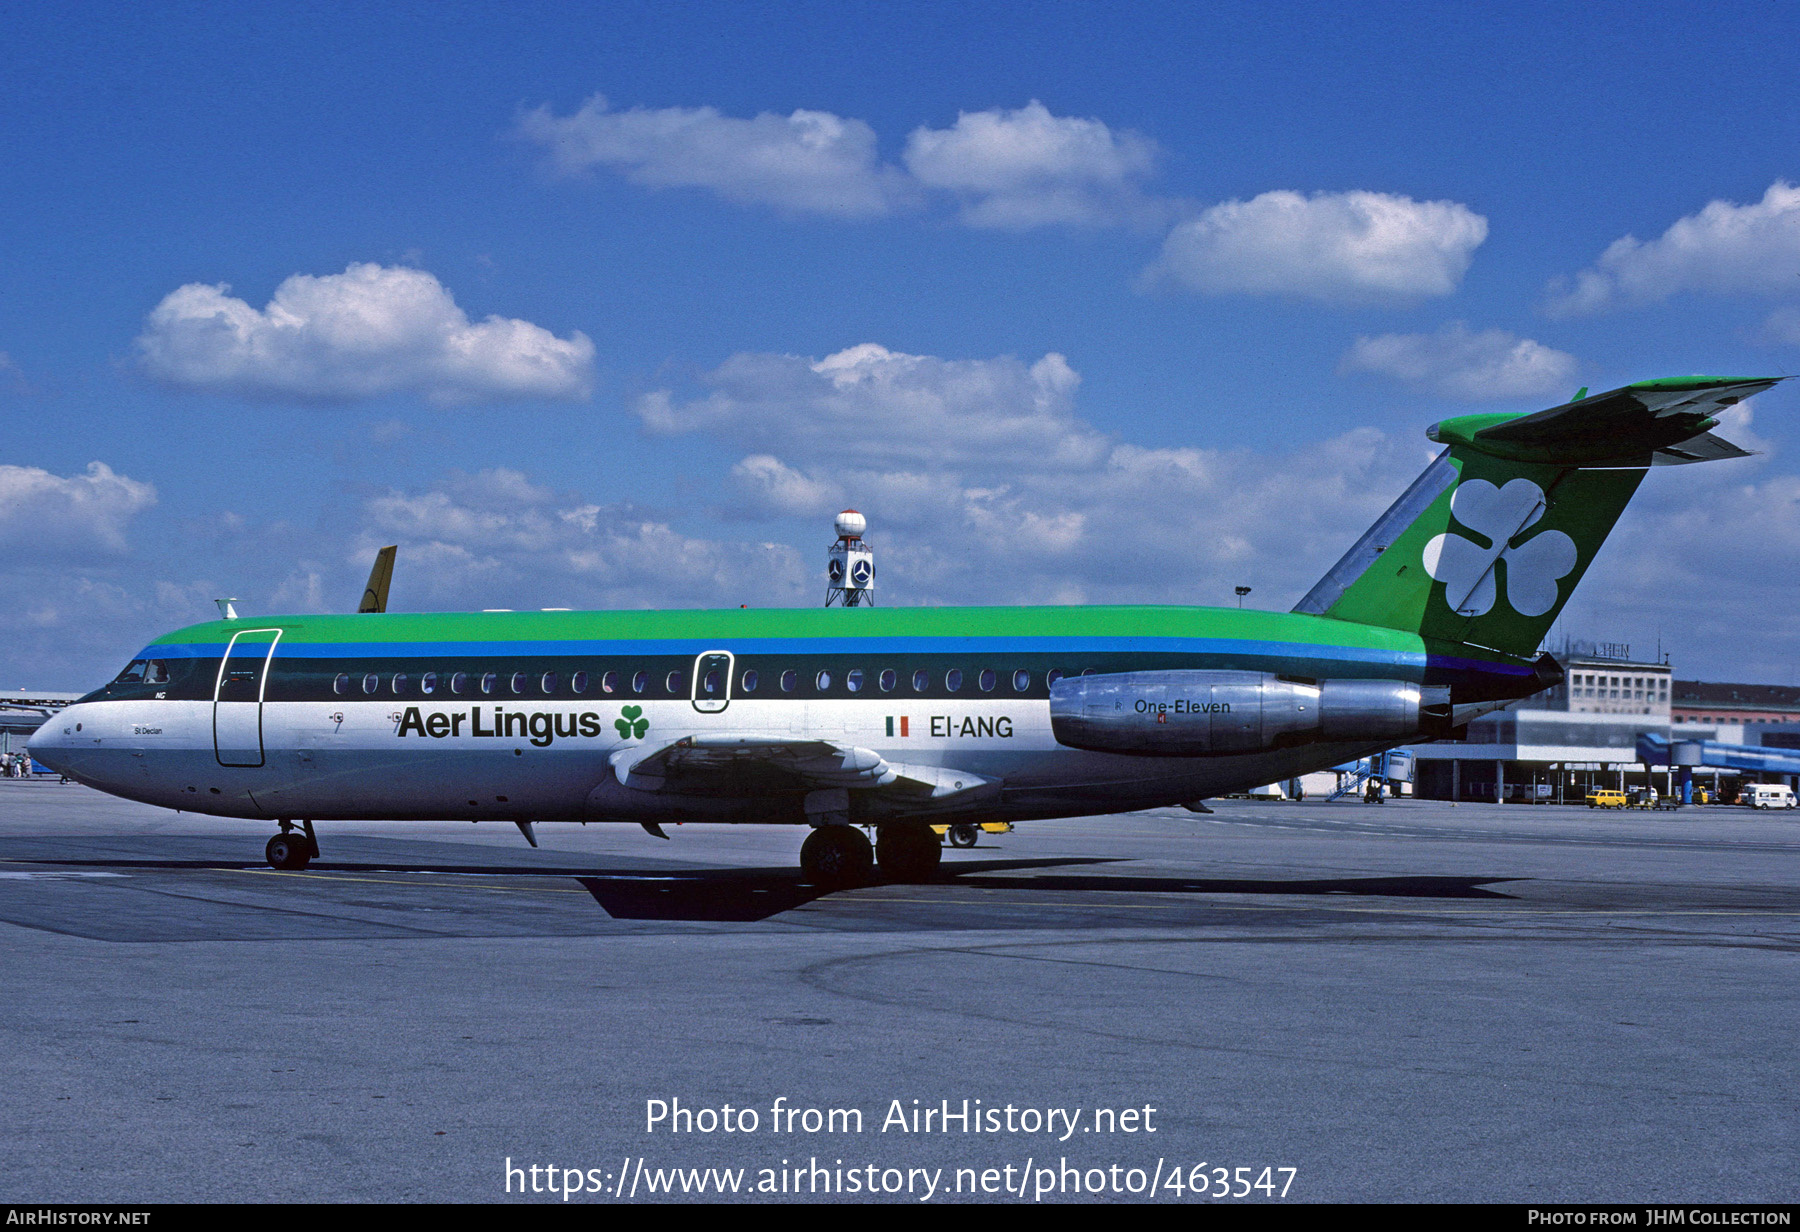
895	719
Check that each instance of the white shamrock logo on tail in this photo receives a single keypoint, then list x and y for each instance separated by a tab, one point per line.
1468	569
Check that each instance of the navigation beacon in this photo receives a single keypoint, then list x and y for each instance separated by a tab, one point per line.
850	566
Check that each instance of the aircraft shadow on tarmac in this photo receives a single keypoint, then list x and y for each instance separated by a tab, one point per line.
746	895
757	894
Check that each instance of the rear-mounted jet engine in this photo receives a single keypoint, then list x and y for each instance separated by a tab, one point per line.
1205	714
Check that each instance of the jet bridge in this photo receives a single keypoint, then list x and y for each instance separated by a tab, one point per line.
1684	756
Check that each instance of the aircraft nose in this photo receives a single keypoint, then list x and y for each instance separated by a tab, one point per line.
47	745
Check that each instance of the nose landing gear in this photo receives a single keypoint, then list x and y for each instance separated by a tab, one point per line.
289	850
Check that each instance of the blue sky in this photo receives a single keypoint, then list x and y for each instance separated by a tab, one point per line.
615	305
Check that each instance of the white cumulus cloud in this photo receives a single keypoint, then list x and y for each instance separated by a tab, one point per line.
808	161
1017	168
770	486
369	331
1028	168
1336	247
869	404
40	511
495	539
1725	249
1457	362
983	484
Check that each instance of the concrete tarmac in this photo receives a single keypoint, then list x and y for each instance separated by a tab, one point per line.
1415	1001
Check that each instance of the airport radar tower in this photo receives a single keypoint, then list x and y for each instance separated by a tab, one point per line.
850	569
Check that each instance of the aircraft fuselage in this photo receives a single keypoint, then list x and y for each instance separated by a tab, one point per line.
527	716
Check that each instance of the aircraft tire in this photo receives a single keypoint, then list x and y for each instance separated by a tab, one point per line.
288	851
963	834
836	857
908	851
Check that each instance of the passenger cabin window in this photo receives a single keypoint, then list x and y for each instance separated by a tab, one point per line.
853	680
1052	676
790	680
953	679
488	681
921	680
399	682
889	678
750	681
341	685
371	682
822	681
988	679
548	683
673	682
1021	680
459	682
578	682
609	683
518	682
640	682
428	683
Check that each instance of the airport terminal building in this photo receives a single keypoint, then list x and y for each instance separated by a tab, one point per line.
1583	734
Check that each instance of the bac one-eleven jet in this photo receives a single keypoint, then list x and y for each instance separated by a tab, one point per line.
895	718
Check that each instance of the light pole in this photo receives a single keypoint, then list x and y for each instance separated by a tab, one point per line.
1241	592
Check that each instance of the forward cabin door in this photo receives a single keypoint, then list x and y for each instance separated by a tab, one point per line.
238	697
712	681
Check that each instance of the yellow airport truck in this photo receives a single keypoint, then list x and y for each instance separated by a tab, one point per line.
965	833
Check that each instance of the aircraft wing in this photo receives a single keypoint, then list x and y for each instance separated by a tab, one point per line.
715	762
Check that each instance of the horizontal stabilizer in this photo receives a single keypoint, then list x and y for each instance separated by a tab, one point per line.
1703	448
1620	428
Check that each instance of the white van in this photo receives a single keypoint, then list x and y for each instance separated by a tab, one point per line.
1766	795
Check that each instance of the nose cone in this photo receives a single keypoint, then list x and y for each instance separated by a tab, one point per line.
47	744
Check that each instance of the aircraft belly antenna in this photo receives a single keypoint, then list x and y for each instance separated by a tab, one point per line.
375	594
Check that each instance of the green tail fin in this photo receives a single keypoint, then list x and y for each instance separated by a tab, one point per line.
1488	544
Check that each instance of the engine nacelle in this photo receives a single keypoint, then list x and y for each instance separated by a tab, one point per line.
1211	714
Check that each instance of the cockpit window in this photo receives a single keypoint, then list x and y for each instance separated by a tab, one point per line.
133	673
156	672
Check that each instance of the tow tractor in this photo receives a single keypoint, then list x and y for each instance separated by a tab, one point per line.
965	833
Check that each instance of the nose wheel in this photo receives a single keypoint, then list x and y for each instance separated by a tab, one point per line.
291	849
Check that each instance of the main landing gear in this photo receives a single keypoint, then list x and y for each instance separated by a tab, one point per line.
838	857
908	850
290	850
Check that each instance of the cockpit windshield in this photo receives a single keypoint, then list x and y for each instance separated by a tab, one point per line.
144	671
